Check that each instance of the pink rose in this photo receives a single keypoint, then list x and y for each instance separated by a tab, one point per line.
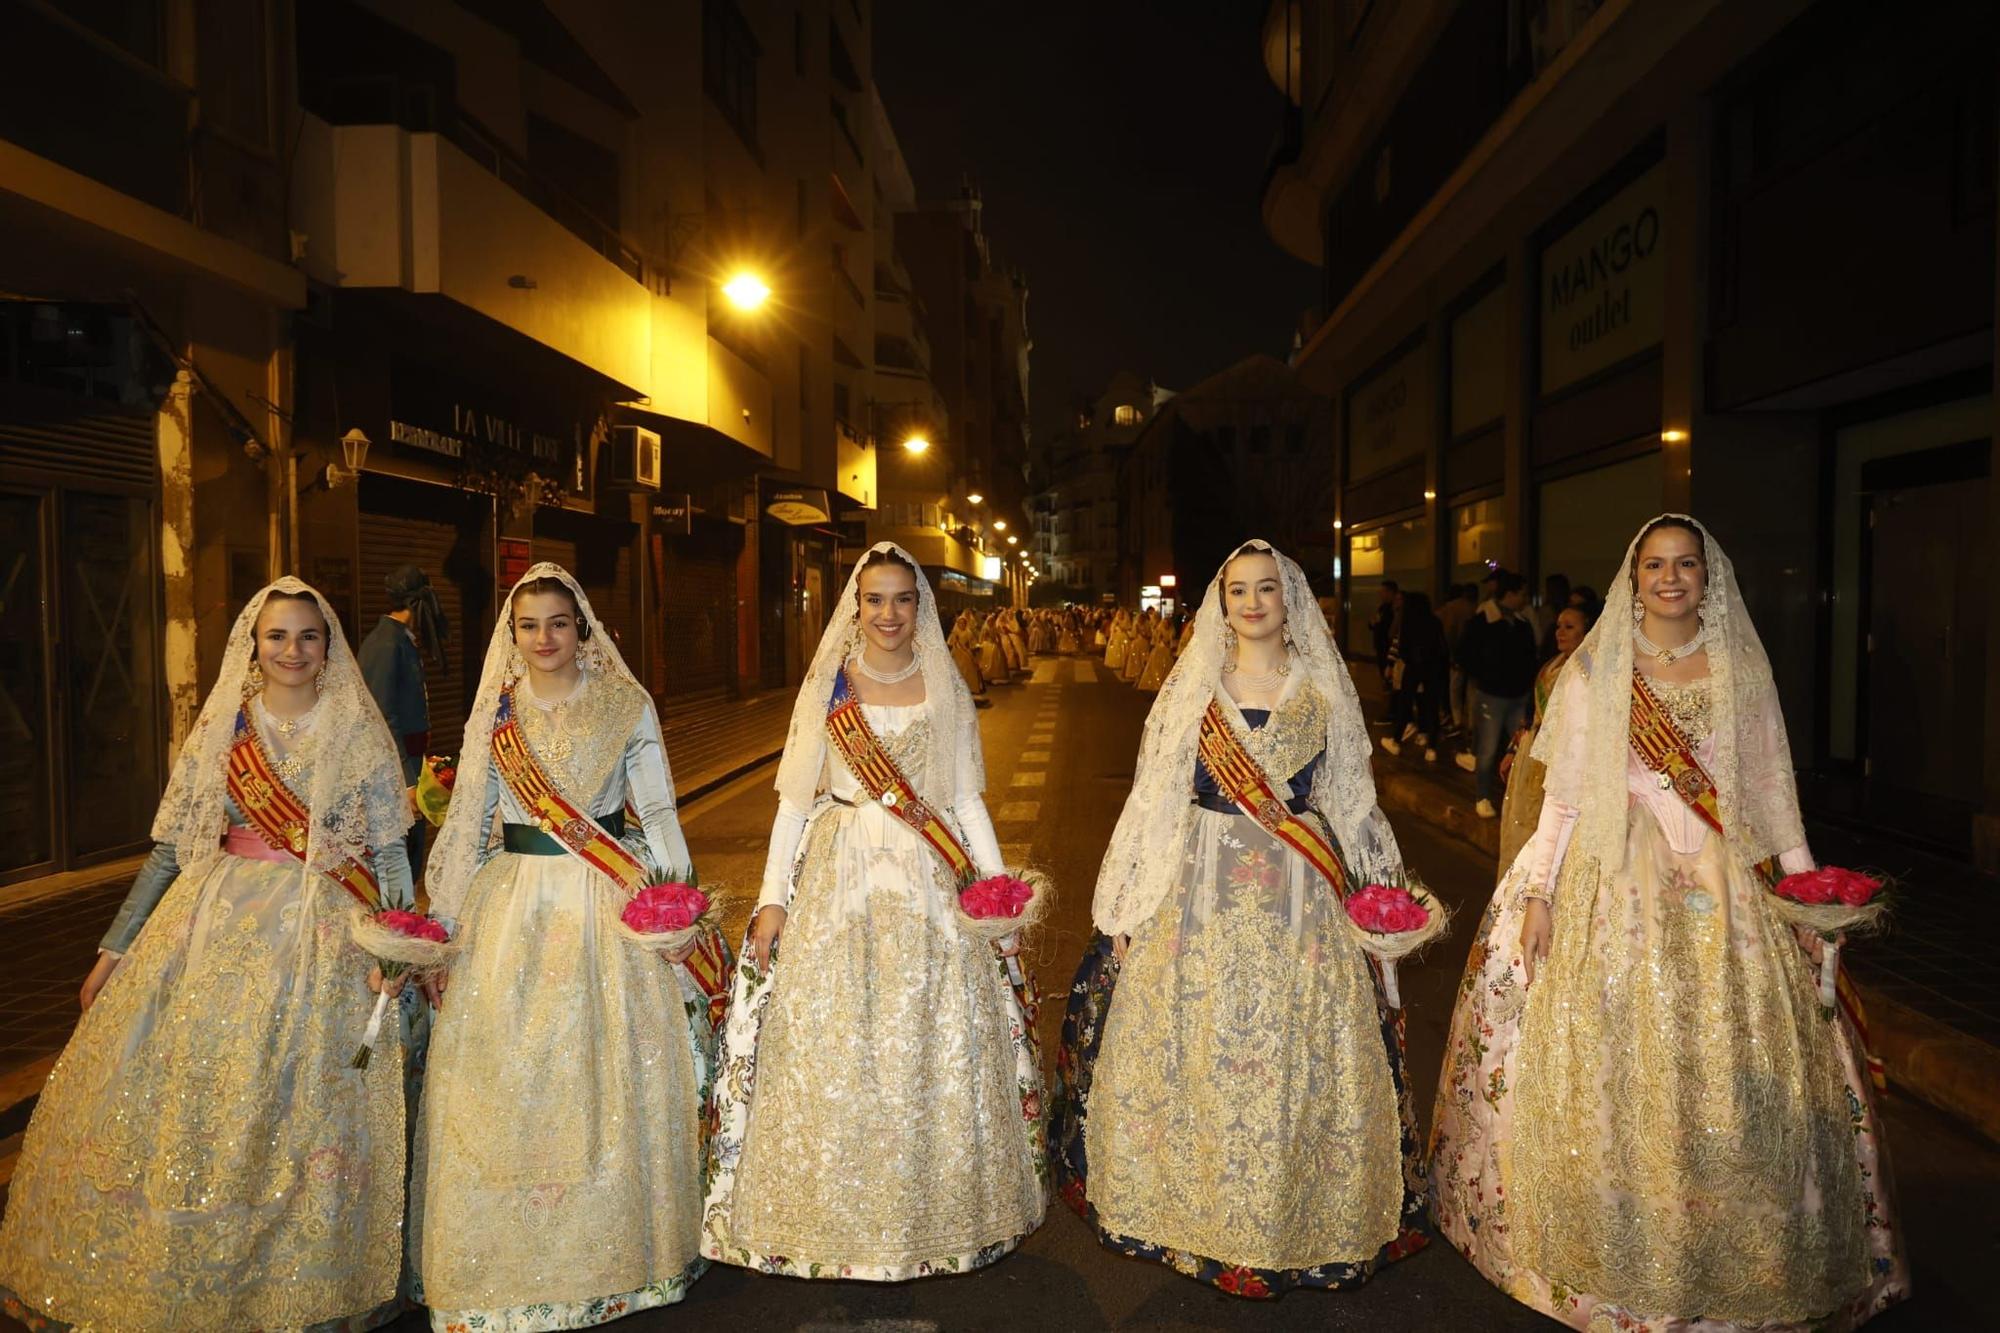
996	895
662	908
1828	885
413	924
1382	910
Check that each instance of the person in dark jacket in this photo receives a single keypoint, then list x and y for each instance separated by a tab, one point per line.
1499	655
392	662
1382	628
1422	665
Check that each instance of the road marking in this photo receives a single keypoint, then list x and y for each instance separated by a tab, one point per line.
1018	812
1045	671
1042	738
1016	854
1034	756
1086	672
1031	780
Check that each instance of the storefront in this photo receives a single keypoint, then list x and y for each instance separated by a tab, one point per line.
798	558
1389	424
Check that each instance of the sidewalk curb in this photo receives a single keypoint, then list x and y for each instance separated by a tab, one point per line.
1922	1057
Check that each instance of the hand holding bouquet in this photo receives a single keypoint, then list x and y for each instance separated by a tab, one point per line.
667	917
1832	901
434	786
1392	921
1000	906
403	943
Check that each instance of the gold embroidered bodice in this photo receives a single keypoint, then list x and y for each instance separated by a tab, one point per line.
1691	704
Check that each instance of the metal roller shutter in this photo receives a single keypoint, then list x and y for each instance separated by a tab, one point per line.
77	442
387	542
698	618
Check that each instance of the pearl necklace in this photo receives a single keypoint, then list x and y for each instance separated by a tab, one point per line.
1669	656
888	677
1262	684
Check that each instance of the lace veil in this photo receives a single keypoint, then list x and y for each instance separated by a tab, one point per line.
1144	856
956	724
461	843
356	789
1590	719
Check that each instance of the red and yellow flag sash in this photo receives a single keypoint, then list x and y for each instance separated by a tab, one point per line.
279	817
847	731
589	842
1244	782
1665	751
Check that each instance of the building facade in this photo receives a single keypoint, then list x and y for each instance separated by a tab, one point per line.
1078	508
1737	260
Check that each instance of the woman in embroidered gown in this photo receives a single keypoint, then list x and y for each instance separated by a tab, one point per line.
1521	808
879	1103
1117	641
1236	1107
1160	660
1644	1119
558	1180
202	1156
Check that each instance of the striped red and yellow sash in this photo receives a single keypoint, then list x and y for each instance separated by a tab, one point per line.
588	841
858	747
279	816
1667	754
1244	782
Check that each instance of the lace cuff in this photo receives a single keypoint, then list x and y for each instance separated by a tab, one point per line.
786	830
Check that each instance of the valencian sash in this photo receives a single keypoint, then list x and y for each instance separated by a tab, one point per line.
588	841
1664	749
1244	782
279	817
1667	754
848	732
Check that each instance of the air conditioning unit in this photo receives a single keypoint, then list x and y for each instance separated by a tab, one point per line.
635	458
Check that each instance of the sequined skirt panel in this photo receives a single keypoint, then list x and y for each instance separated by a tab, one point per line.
202	1156
1243	1105
882	1114
1665	1127
559	1148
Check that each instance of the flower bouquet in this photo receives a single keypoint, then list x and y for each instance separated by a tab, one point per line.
434	785
402	943
1833	902
1392	921
998	906
666	917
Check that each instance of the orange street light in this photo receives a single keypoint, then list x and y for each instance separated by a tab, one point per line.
999	525
746	291
916	444
974	498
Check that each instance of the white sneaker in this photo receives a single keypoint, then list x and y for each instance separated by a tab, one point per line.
1430	755
1409	730
1465	760
1423	740
1485	809
1392	745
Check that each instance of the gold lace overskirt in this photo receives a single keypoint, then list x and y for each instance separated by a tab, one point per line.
1243	1106
202	1156
559	1146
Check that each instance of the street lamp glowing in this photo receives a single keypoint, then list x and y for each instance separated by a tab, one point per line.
746	291
975	498
1013	541
916	444
999	525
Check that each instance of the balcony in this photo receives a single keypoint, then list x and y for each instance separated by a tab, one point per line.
383	206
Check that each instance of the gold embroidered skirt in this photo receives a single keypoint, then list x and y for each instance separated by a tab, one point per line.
895	1127
202	1157
559	1150
1242	1106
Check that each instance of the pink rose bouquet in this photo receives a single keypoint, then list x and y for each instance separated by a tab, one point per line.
1832	901
403	944
666	917
1392	921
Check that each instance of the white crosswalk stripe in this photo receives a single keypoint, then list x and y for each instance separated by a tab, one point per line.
1085	670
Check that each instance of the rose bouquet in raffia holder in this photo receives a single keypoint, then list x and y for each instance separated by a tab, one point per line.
1393	921
404	944
1833	902
998	906
667	918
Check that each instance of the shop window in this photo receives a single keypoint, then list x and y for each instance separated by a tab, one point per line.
1126	415
1400	551
1478	538
1587	520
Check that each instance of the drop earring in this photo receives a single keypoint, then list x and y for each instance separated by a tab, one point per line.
253	683
1638	613
1228	649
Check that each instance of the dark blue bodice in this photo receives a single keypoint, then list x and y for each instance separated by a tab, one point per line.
1301	783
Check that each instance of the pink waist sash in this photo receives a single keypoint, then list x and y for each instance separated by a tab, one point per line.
242	840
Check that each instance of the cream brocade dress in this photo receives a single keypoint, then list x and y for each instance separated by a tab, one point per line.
202	1156
1664	1132
1242	1107
558	1172
879	1101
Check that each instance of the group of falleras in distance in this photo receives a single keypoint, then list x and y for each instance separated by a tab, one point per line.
1644	1120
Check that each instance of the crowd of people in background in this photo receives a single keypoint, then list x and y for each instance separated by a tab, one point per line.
1477	671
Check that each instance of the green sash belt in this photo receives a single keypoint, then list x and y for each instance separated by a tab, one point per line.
529	840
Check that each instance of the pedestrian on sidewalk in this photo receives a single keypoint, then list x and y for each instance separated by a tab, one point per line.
1382	626
1422	666
878	1107
1499	657
392	662
1519	768
202	1156
1225	979
1638	1050
558	1170
1454	616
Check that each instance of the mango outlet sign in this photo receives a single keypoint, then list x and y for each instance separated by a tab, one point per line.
1604	285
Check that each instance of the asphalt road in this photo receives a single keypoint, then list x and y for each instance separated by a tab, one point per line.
1059	757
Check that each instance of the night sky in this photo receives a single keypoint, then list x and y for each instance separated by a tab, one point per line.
1120	148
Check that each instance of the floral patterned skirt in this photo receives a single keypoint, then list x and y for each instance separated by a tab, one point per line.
1274	1059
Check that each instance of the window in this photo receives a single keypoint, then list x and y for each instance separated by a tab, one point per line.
729	67
1126	415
